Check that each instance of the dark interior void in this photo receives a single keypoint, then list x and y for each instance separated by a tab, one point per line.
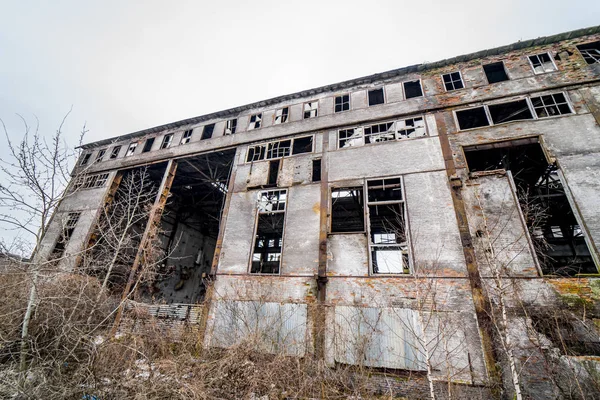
472	118
512	111
495	72
558	238
376	97
412	89
267	243
347	210
189	227
115	241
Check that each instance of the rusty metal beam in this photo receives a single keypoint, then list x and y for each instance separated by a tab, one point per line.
149	233
319	319
480	299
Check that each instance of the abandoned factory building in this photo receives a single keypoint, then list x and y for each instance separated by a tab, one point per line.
401	220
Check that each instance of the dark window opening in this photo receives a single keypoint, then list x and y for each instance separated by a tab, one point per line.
412	89
453	81
384	190
268	243
148	145
303	145
590	52
376	97
67	231
342	103
316	170
207	132
230	126
513	111
472	118
347	210
86	158
115	152
495	72
541	63
100	155
273	172
557	237
311	109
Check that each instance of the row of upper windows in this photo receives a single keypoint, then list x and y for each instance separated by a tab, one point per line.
494	72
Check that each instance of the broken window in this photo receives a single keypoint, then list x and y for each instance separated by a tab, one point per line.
347	210
542	63
342	103
147	145
100	155
186	137
453	81
558	238
590	52
410	128
256	153
166	142
230	126
379	132
273	172
90	181
303	145
311	109
255	121
413	89
387	231
316	170
115	152
268	241
472	118
281	116
350	137
495	72
85	159
376	96
207	132
279	149
551	105
66	232
511	111
131	149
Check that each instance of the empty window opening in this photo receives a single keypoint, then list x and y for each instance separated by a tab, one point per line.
85	159
387	232
453	81
115	152
273	172
166	142
230	126
551	105
590	52
186	137
303	145
100	155
207	132
558	239
132	147
311	109
316	170
379	132
512	111
147	145
472	118
281	116
68	227
542	63
495	72
376	96
347	210
268	241
410	128
413	89
255	121
342	103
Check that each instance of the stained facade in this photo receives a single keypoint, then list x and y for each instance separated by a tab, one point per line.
387	221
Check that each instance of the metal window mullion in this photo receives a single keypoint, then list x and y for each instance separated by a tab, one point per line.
488	115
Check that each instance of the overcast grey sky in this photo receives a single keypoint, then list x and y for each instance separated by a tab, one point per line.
130	65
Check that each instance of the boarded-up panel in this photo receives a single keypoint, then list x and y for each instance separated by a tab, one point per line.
269	327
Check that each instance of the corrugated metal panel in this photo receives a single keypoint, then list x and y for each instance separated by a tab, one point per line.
179	312
271	327
378	337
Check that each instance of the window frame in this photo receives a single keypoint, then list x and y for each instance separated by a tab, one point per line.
132	148
503	67
85	158
529	102
404	89
114	152
342	103
316	110
259	121
100	155
537	55
595	57
382	88
265	146
362	137
462	81
185	138
257	214
231	126
287	115
166	141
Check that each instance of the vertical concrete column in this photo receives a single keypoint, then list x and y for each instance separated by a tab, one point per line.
319	319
